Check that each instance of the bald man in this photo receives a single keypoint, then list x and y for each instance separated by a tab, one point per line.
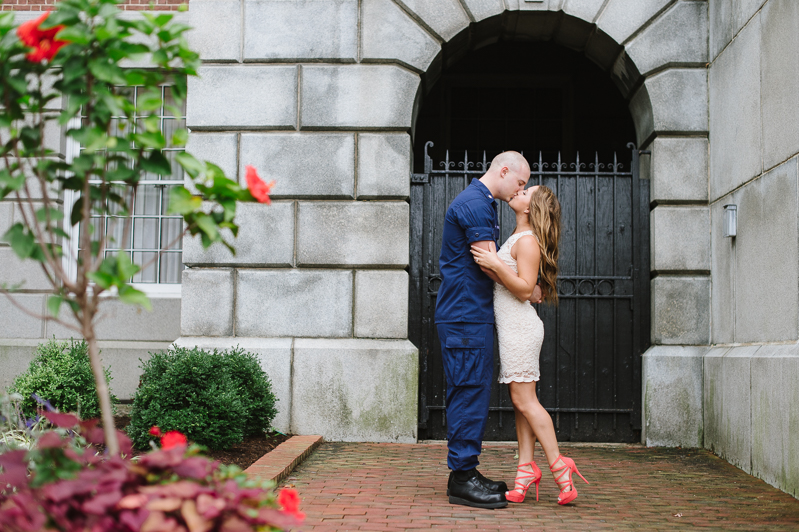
465	323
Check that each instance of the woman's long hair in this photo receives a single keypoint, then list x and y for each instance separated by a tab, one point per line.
545	220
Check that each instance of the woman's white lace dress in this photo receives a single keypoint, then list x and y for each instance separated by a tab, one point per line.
520	330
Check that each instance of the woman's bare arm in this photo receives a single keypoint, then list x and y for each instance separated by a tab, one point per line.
527	260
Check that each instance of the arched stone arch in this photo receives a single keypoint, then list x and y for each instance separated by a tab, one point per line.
654	51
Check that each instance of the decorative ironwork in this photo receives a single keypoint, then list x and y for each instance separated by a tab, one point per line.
590	361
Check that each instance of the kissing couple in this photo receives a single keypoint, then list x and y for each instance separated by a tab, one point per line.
481	287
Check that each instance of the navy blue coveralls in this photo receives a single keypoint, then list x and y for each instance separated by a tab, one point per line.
465	322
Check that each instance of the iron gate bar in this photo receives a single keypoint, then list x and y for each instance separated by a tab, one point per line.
426	200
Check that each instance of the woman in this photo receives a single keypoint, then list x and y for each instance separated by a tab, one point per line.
531	250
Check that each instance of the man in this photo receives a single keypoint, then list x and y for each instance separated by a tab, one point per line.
465	324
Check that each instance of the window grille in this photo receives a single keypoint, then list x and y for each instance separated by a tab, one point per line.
150	229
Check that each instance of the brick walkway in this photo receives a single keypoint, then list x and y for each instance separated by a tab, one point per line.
356	486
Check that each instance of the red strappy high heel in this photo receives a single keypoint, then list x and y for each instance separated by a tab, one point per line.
514	495
563	483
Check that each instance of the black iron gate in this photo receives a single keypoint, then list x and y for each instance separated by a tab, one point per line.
590	360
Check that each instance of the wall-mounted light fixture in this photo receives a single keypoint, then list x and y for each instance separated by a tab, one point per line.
730	220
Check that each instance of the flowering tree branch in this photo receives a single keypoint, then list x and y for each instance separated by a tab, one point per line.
80	44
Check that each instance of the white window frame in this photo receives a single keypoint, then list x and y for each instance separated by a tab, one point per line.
70	265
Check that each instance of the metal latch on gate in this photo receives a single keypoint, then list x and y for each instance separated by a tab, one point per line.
420	178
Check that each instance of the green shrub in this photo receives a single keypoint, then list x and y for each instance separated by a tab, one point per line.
61	373
215	398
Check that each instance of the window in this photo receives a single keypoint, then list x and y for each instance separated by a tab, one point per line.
150	228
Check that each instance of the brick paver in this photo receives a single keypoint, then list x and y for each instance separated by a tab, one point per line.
277	464
358	486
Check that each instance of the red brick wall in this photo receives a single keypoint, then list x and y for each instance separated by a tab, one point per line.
129	5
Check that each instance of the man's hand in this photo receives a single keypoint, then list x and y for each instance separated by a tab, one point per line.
538	294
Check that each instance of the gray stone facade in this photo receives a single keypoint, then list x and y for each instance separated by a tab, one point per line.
321	95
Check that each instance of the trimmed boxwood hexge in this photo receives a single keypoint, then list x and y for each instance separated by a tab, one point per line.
215	398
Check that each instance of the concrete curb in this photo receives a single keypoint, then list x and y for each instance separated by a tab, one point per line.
281	461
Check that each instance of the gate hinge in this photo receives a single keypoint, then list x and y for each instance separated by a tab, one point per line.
420	178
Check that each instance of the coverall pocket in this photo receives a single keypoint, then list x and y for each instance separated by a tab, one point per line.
464	356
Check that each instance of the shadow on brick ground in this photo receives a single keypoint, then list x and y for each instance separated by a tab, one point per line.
357	486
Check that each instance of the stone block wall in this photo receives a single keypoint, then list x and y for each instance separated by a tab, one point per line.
750	399
670	107
322	104
750	408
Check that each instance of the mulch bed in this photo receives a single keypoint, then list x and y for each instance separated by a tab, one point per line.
243	454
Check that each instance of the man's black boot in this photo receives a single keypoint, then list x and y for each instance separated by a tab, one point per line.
496	487
467	489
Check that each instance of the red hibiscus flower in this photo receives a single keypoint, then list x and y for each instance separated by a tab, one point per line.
171	439
155	431
43	42
258	189
290	501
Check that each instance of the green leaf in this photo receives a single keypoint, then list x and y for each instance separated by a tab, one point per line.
77	211
60	232
208	226
101	279
91	138
72	183
106	71
67	17
82	163
122	173
18	84
182	202
152	124
78	34
149	101
54	305
31	137
54	214
142	25
161	20
180	137
128	294
108	11
160	57
21	240
134	77
156	163
154	140
125	268
190	164
9	182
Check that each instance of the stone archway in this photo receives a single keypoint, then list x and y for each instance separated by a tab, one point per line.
658	66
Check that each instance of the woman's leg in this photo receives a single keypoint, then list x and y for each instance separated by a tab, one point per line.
525	402
525	437
526	470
